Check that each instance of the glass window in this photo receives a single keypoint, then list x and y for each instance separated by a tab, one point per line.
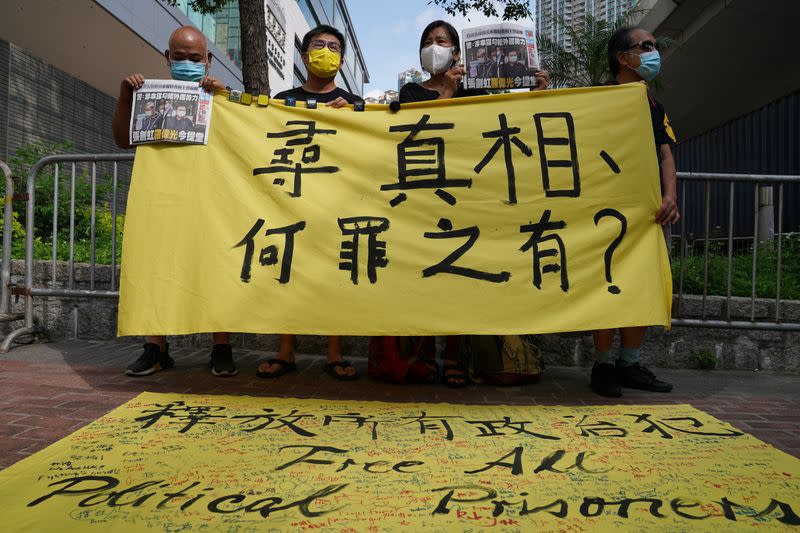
299	79
196	19
338	19
308	12
221	37
210	26
359	76
328	6
298	60
350	55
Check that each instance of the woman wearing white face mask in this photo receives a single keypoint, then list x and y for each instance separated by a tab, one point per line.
439	54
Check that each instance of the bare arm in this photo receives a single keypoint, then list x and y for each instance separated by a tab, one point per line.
120	125
668	212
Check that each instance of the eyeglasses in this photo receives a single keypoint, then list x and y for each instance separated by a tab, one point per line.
319	44
645	46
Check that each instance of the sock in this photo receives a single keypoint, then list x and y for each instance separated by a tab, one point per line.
629	356
603	357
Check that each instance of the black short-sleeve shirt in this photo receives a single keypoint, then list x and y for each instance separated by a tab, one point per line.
661	126
302	95
662	130
414	92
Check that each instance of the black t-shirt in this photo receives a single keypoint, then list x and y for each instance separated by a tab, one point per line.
662	130
661	126
414	92
323	98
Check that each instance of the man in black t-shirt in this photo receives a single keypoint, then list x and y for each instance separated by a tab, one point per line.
322	52
323	48
633	58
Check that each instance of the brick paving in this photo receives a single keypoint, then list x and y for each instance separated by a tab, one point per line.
47	391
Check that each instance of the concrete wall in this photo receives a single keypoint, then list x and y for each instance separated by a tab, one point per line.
47	104
65	318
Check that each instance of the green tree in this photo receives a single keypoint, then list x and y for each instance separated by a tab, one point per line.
586	64
512	9
253	23
21	162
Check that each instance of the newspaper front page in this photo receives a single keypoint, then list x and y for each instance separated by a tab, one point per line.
500	56
170	111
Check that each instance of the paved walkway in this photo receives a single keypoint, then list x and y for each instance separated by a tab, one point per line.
47	391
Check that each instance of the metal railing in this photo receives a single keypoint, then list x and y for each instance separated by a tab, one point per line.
69	289
5	271
761	183
29	290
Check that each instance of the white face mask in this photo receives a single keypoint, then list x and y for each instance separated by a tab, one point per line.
180	114
436	59
512	59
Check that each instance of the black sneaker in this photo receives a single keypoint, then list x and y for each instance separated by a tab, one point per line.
152	360
222	360
604	380
638	377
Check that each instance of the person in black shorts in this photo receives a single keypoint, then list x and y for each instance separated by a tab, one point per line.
322	52
633	57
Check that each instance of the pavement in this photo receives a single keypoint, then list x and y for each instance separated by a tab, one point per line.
48	391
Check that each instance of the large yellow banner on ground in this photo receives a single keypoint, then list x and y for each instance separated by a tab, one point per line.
172	462
516	213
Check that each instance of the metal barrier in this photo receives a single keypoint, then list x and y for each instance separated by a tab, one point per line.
29	291
5	273
761	183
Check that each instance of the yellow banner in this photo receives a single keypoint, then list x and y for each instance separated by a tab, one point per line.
516	213
172	462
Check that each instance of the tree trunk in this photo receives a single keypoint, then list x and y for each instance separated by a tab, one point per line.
255	66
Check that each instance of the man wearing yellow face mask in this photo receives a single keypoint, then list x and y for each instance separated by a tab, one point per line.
323	49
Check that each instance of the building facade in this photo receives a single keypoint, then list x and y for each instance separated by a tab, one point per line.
726	123
410	75
387	97
554	16
55	89
287	22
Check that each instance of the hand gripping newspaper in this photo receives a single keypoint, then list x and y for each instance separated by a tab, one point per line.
170	111
500	56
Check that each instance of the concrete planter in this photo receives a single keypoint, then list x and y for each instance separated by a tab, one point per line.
96	319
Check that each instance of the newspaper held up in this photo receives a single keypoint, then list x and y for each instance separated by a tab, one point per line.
500	56
170	111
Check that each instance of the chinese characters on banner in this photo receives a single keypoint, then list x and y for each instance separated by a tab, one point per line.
515	213
172	462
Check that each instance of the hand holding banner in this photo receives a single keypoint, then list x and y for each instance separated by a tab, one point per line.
516	213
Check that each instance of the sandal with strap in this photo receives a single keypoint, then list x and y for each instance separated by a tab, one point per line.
284	367
454	380
330	369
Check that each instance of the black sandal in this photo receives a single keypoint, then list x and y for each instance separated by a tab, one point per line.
284	367
454	380
330	369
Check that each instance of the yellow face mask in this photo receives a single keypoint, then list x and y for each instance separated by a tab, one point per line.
324	63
